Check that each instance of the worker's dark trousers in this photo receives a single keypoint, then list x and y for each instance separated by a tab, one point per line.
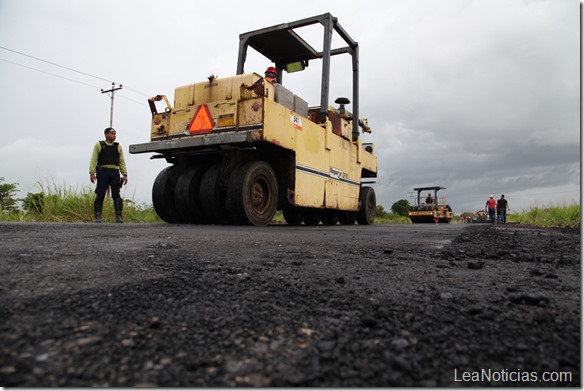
493	215
107	178
502	216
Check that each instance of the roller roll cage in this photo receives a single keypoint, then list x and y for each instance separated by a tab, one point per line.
429	188
283	47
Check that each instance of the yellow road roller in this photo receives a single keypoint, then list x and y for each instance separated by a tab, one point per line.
429	208
242	147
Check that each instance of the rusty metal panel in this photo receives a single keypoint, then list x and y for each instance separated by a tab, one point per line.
250	112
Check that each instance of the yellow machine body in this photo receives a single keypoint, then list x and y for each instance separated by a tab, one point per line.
432	211
328	166
243	147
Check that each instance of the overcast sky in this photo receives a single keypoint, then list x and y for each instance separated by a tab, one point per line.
481	97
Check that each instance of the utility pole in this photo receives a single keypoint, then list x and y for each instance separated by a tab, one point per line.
112	90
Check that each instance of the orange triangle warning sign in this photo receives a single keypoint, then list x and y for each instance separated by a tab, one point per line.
202	121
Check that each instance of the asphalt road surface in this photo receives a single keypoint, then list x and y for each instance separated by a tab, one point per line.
219	306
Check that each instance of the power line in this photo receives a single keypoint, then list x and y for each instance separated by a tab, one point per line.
137	92
48	73
66	78
64	67
57	65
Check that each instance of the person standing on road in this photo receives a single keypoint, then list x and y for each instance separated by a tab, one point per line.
502	207
107	161
491	206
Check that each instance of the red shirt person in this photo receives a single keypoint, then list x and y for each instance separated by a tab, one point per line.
491	205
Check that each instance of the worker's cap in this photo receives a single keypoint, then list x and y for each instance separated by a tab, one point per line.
271	72
491	196
107	130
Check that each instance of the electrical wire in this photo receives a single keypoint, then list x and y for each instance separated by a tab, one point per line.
48	73
63	67
66	78
52	63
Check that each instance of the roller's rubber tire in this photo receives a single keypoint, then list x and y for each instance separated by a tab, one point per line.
368	202
310	216
163	196
329	217
252	194
346	218
186	195
292	215
212	196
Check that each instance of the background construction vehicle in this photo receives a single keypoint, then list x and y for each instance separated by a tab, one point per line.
241	148
430	212
481	216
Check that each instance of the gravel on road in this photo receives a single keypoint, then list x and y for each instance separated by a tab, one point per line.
219	306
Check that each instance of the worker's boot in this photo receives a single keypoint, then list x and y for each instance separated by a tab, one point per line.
97	206
118	205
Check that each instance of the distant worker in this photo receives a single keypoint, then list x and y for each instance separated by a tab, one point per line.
429	199
502	207
491	205
271	75
106	163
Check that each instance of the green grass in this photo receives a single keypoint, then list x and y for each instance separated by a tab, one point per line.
551	216
392	218
64	204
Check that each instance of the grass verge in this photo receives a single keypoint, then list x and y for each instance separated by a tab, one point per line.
64	204
552	216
